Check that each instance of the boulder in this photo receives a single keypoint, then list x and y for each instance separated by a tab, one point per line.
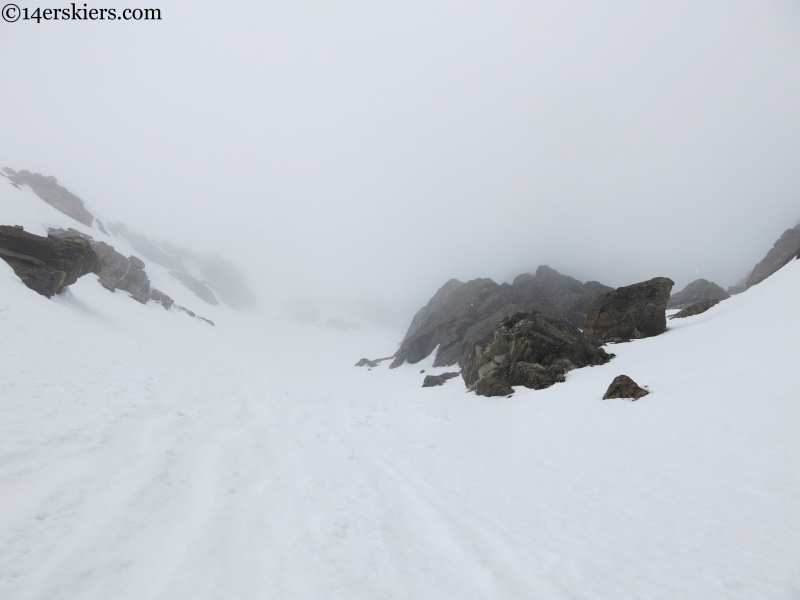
624	387
529	349
437	380
161	298
46	265
630	312
57	196
785	249
695	309
697	291
491	386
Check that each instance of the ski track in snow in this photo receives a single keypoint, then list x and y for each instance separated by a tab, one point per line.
146	455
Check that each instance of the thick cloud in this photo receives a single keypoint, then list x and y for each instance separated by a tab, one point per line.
363	153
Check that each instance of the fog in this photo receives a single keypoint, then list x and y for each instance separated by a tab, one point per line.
359	154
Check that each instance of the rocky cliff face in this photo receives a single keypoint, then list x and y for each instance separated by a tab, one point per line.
467	314
47	265
48	189
460	314
439	299
697	291
631	312
785	249
566	293
114	271
528	349
209	276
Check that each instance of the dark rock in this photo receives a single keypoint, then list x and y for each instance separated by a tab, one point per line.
161	298
624	387
529	349
490	386
200	289
461	316
57	196
437	380
695	309
47	265
631	312
784	250
439	299
115	271
192	314
695	292
365	362
739	287
562	291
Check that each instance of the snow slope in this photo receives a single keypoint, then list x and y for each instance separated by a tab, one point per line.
144	454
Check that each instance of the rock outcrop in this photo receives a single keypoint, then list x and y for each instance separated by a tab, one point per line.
115	271
48	189
695	309
529	349
434	305
697	291
460	317
566	293
624	387
739	287
785	249
437	380
460	314
161	298
46	265
630	312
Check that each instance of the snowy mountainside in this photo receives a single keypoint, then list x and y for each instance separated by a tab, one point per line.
146	455
20	206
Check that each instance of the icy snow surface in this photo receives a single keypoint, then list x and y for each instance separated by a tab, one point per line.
144	454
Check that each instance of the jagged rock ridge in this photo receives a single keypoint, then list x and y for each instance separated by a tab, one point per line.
697	291
785	249
48	189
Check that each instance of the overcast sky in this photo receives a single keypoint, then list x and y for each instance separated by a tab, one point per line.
372	150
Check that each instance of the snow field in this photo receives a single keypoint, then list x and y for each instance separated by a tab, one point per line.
144	454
